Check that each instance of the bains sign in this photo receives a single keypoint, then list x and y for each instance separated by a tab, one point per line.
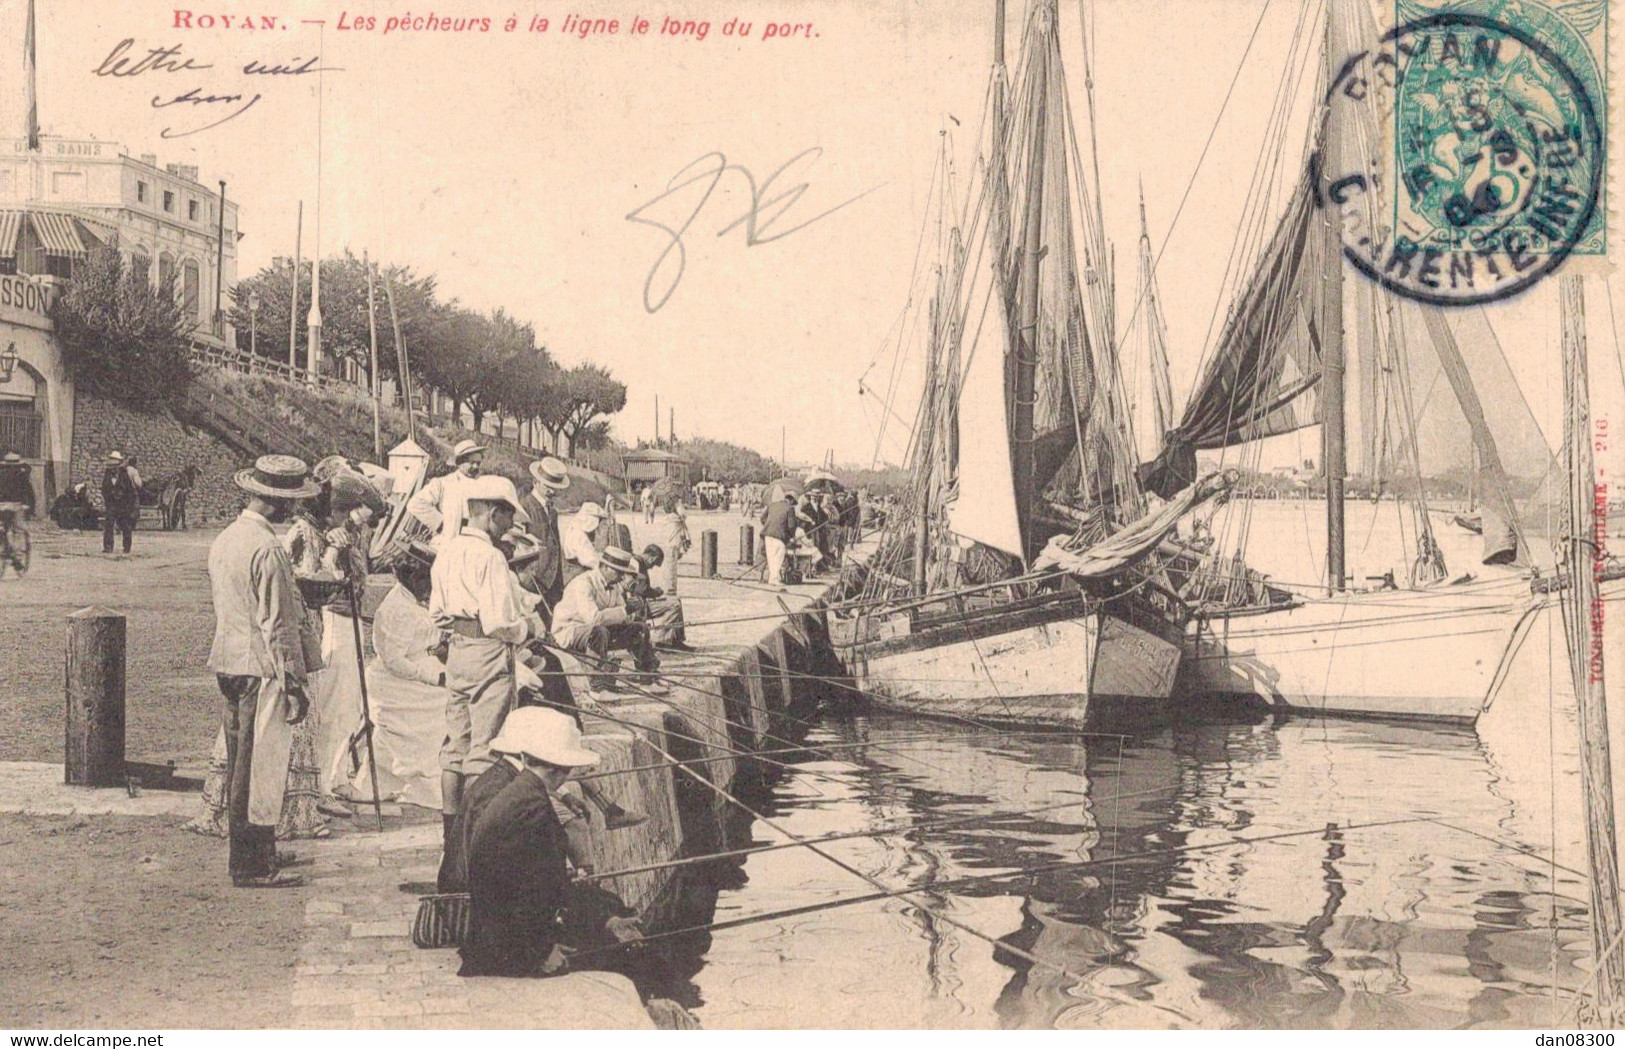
24	300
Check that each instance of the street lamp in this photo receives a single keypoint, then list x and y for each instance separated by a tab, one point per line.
253	328
8	363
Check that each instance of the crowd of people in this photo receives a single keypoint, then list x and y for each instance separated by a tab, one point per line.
501	631
822	523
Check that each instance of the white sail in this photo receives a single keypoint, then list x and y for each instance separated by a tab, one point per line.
986	507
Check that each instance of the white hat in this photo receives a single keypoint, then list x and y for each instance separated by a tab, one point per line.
546	735
550	473
465	448
491	488
592	510
115	457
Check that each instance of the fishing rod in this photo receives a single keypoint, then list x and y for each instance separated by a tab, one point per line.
876	883
872	832
975	879
604	662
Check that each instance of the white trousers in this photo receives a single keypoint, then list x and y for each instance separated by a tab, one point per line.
775	560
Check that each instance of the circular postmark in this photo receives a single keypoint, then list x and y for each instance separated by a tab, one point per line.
1464	156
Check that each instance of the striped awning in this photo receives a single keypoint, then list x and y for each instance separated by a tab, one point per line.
58	233
11	223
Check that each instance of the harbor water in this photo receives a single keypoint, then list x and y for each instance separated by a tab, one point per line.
1264	872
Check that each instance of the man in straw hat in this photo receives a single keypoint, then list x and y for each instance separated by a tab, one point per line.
576	540
442	504
519	835
259	663
475	596
593	620
121	499
544	574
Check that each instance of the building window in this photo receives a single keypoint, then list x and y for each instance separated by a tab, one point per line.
169	200
141	265
191	210
190	303
8	264
140	192
59	266
166	272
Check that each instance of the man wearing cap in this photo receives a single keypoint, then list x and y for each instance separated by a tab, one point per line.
577	541
476	597
592	620
259	663
442	503
120	500
519	834
544	574
778	528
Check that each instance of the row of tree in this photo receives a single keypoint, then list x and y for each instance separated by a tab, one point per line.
488	363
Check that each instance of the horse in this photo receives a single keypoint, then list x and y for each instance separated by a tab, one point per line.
172	493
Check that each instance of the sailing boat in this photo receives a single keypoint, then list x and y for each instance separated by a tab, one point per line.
1014	590
1428	645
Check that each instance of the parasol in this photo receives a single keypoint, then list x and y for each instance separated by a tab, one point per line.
777	489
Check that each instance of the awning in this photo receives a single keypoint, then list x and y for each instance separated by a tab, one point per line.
57	233
11	222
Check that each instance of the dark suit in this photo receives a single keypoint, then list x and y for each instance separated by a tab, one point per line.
518	880
123	505
545	574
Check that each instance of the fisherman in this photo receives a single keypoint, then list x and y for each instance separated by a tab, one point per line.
544	574
593	620
522	834
664	610
477	598
120	501
442	504
576	540
259	663
778	529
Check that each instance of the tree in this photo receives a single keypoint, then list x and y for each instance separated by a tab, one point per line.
120	337
345	332
731	463
588	391
507	343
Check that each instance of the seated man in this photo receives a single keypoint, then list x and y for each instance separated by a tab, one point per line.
663	611
520	837
592	620
577	543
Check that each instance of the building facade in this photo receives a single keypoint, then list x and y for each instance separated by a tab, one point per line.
59	202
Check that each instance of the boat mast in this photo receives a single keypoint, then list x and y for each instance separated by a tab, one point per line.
1024	384
1334	450
927	451
1582	617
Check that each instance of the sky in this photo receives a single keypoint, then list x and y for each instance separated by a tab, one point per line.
508	165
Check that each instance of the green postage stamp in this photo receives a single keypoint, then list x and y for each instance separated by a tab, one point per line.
1500	126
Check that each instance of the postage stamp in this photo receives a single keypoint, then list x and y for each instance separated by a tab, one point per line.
1492	118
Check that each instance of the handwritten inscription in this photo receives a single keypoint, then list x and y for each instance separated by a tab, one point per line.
762	220
125	61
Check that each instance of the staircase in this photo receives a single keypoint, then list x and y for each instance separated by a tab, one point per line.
235	421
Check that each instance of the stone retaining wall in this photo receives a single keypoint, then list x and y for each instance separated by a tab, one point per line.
163	445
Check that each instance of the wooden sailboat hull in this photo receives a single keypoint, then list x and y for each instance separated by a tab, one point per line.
1021	668
1425	655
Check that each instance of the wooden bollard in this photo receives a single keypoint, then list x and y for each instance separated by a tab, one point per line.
708	554
747	544
94	751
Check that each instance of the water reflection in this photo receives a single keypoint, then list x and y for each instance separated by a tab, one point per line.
1283	874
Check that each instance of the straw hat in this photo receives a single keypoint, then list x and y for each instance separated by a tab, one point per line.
12	457
620	560
464	449
492	488
118	457
546	735
592	510
277	477
550	473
